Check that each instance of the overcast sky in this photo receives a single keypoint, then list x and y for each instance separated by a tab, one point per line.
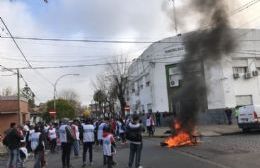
141	20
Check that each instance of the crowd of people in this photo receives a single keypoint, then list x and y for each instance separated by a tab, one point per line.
68	136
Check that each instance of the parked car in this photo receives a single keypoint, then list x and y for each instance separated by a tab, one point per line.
249	117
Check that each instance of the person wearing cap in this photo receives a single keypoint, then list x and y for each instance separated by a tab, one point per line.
88	141
67	138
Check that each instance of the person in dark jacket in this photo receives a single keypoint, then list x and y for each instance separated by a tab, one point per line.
134	135
12	141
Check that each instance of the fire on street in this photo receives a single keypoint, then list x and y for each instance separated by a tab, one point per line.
235	151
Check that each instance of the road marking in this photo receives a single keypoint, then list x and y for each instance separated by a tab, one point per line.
201	158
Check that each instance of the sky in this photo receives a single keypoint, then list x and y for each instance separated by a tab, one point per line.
132	20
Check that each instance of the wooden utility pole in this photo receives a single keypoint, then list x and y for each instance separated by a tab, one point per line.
19	97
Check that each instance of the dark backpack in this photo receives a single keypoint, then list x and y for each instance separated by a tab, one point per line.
6	140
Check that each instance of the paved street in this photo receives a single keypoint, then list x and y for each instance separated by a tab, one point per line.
234	151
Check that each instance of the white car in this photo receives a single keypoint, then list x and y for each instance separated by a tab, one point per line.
249	117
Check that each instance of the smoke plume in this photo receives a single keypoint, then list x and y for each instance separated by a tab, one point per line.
208	44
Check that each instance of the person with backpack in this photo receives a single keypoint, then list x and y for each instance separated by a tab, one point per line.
37	146
67	138
134	134
12	141
88	141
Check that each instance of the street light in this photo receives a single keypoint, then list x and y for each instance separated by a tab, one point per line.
55	85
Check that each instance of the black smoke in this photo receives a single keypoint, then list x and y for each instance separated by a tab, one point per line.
208	45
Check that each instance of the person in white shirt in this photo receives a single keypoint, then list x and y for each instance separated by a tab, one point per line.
100	130
150	125
52	135
108	147
66	138
88	141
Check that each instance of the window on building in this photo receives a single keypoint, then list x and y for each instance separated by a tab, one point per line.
240	70
243	100
147	83
149	107
143	110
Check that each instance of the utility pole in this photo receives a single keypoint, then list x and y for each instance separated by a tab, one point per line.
19	97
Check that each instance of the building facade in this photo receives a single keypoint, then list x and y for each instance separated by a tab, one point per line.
9	112
154	77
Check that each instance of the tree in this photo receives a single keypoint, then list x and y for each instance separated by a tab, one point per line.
69	94
63	108
104	87
8	92
117	75
27	93
100	97
73	98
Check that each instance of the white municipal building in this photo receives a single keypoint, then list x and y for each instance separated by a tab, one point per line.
235	80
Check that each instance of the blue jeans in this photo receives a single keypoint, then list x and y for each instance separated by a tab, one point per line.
76	147
13	159
135	153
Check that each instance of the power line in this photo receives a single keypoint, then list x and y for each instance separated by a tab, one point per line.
21	76
90	40
11	36
245	6
97	64
20	50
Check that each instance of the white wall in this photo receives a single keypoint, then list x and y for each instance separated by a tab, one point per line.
222	87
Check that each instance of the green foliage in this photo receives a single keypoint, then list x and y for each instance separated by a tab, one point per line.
63	108
100	96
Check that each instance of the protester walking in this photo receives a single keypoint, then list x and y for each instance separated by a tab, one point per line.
37	146
150	125
67	139
108	147
121	127
134	135
228	112
101	126
88	141
52	136
12	141
158	119
75	131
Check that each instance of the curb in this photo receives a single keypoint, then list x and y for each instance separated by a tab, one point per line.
216	135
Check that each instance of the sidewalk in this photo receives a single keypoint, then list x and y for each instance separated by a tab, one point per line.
202	130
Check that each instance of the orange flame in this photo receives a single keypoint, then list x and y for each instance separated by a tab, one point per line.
180	138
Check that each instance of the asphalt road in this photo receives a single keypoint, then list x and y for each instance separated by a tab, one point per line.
234	151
